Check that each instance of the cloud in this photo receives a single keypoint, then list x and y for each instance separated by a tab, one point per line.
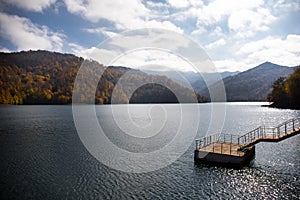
216	44
158	8
148	59
247	23
31	5
230	65
216	11
243	18
179	3
100	30
148	48
280	51
125	14
25	35
121	12
285	6
144	59
103	56
199	31
291	43
5	50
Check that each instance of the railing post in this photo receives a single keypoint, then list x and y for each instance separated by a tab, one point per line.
260	132
221	147
285	128
230	143
293	124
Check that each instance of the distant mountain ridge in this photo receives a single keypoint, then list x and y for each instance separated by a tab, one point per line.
198	81
253	84
43	77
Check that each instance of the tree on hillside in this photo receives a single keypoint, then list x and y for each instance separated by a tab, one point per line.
41	77
293	88
278	95
286	93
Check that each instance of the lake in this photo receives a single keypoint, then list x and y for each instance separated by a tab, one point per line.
43	156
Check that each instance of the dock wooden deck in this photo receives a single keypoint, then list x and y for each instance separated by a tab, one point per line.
223	148
237	149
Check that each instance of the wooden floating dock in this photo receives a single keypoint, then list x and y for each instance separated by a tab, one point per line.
239	150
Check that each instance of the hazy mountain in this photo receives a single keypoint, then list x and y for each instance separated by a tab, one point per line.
193	79
253	84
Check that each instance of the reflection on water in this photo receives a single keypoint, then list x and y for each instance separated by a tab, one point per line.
42	157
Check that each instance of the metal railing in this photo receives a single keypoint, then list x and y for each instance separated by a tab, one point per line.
270	132
256	134
222	138
209	142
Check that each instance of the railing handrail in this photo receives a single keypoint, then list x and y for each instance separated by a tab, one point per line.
251	135
295	122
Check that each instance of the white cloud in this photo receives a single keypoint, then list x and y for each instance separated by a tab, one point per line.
5	50
229	65
244	18
119	11
125	14
247	23
101	30
217	31
216	44
32	5
25	35
160	25
149	24
158	9
196	3
122	12
284	51
138	59
145	59
283	5
140	48
103	56
179	3
216	11
199	31
291	43
280	51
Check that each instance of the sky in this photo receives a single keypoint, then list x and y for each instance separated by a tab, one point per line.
236	34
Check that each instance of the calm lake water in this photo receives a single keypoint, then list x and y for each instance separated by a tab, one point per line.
42	157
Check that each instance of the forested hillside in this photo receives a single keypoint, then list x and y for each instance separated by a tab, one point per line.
253	84
286	91
42	77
